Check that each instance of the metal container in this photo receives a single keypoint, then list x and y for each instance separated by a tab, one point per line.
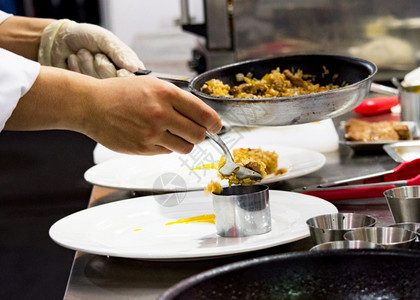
332	227
335	274
412	226
388	237
355	73
346	245
404	203
242	211
410	104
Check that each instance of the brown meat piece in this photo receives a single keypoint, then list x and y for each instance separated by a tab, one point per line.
402	130
362	131
248	88
297	81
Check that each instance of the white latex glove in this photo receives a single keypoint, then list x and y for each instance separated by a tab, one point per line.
87	49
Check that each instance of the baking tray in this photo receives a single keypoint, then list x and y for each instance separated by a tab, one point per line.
378	145
403	151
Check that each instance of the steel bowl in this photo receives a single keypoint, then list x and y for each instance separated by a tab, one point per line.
404	203
334	245
386	236
412	226
332	227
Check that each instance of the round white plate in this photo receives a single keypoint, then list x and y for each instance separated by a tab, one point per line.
136	228
175	172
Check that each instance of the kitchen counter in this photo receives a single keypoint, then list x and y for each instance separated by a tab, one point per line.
101	277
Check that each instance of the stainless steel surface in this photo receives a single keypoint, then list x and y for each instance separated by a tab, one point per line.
404	203
390	238
332	227
230	165
106	278
384	32
383	89
346	245
410	105
409	226
242	211
403	151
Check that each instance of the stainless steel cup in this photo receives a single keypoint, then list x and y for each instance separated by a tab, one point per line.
409	98
332	227
346	245
242	211
404	203
412	226
388	237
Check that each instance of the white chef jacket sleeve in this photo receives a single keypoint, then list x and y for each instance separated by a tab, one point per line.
17	75
3	16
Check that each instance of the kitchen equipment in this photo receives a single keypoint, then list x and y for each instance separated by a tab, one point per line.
332	227
404	203
354	72
403	151
405	170
230	31
412	226
334	274
346	245
242	211
376	106
390	238
230	165
367	186
410	103
358	191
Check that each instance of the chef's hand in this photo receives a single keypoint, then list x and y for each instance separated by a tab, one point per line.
145	115
86	48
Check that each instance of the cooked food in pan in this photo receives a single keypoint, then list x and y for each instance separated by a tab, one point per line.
274	84
362	131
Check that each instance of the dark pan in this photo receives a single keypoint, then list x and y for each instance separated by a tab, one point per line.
334	274
357	73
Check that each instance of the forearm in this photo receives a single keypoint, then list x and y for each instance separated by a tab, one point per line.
22	35
57	100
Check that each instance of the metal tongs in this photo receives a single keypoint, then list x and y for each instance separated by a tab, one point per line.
368	186
230	166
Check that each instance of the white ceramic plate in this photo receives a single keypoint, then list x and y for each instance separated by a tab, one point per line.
135	228
174	172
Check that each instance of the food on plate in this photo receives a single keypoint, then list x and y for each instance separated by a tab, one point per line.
263	162
362	131
213	187
273	84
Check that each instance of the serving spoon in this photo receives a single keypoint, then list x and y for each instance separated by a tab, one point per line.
230	165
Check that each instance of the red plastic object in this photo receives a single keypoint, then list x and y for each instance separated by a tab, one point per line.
375	106
361	191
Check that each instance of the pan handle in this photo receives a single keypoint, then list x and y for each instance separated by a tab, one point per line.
179	80
383	89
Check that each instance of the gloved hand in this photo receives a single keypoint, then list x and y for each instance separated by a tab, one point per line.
87	49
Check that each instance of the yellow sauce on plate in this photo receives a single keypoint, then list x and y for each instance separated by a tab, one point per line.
199	219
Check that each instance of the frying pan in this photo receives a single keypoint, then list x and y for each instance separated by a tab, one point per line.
356	73
328	274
